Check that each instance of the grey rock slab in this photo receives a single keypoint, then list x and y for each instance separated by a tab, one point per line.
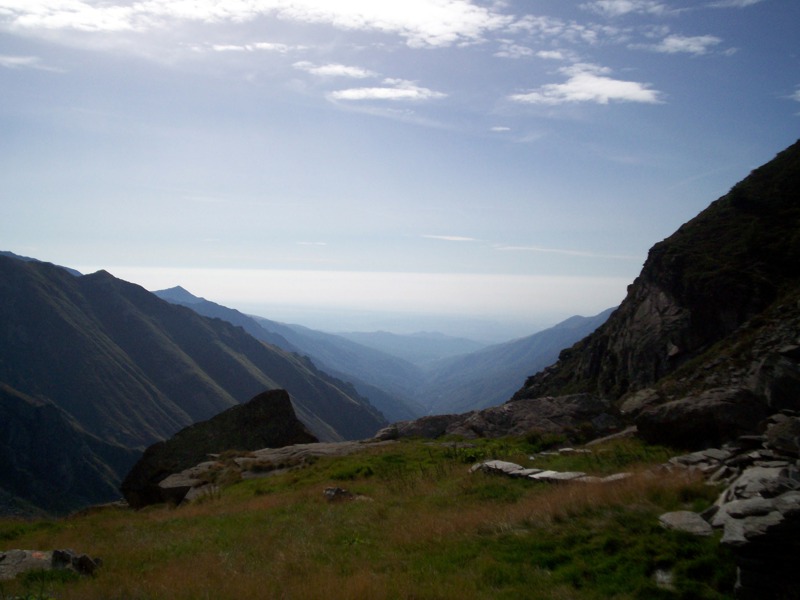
558	476
14	562
502	467
541	476
741	531
754	481
527	472
684	520
788	504
740	509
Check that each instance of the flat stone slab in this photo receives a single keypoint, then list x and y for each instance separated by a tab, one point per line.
557	476
14	562
685	520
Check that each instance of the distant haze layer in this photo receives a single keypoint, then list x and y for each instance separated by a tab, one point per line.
402	302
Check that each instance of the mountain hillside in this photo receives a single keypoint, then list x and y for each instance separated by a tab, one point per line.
387	382
48	462
130	369
490	376
716	305
399	389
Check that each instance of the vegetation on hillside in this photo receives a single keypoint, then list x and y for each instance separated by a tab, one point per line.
420	526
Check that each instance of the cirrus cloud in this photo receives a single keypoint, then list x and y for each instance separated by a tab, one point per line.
589	83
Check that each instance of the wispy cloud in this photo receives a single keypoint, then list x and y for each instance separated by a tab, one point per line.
796	95
572	32
394	89
500	128
18	62
679	44
589	83
422	23
508	49
23	62
579	253
334	70
551	54
617	8
734	3
264	46
450	238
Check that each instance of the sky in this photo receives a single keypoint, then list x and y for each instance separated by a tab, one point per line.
482	168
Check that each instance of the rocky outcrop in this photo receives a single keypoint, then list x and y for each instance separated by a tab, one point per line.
205	479
702	421
759	509
268	420
716	274
579	415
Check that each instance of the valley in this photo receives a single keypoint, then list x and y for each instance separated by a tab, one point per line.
689	391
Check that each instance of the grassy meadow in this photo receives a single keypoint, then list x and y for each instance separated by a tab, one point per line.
421	527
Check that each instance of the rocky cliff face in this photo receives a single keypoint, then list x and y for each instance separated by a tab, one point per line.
719	273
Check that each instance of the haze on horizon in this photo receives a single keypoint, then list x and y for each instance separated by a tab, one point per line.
461	160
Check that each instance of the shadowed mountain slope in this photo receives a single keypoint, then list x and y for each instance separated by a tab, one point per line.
716	281
131	369
388	382
48	461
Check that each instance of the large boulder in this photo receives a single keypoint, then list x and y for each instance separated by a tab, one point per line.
266	421
703	421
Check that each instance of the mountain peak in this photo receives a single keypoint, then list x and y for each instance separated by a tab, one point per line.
178	294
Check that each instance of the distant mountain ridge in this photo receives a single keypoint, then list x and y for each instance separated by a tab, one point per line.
130	369
491	375
402	390
386	380
29	259
421	348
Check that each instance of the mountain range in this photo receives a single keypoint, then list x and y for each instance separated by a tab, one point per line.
117	368
408	376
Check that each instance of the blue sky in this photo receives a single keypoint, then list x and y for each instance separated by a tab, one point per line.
337	162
